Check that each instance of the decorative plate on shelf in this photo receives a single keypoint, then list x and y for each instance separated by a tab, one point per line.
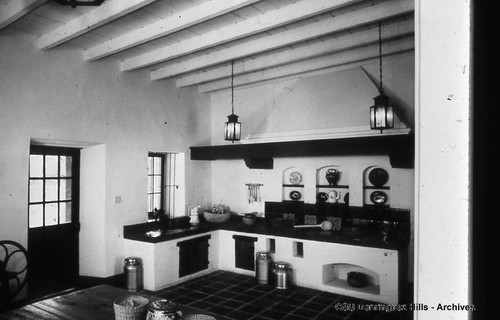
378	177
322	197
295	177
295	195
378	197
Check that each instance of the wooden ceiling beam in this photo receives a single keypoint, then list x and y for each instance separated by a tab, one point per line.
318	63
107	12
358	39
11	10
266	21
380	12
181	20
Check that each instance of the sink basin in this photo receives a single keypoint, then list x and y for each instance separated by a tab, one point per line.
154	233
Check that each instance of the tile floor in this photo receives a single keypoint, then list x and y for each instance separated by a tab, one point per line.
240	297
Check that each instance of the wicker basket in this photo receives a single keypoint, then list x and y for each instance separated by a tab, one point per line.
130	307
216	217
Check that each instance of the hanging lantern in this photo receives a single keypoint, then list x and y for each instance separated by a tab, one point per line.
381	113
232	128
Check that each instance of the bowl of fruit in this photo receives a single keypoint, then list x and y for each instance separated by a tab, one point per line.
220	213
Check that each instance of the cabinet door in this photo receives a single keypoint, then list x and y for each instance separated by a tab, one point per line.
244	248
193	255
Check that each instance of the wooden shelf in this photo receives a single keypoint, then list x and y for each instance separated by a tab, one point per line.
399	148
332	187
381	188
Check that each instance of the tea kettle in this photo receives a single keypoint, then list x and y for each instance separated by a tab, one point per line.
333	196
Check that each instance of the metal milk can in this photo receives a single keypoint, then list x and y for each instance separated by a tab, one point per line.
263	267
133	274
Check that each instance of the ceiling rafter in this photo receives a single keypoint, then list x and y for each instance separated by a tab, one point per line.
181	20
383	11
107	12
336	59
11	10
252	64
266	21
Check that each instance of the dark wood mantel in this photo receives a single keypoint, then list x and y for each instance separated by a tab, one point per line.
399	148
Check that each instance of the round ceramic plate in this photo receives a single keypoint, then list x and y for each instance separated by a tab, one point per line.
378	197
378	177
322	197
295	177
295	195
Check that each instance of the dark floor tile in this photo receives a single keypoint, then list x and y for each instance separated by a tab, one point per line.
322	300
273	314
234	304
220	310
260	317
252	294
184	299
235	289
193	286
308	291
225	294
302	296
241	298
295	317
263	288
293	301
209	290
239	315
284	307
179	291
198	295
251	309
201	305
306	313
329	295
328	316
219	285
214	299
205	282
264	302
314	306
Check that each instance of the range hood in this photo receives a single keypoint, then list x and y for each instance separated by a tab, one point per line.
399	148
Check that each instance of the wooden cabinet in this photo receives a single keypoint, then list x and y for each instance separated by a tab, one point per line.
244	252
193	255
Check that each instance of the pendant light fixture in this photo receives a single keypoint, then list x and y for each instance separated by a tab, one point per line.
381	113
232	128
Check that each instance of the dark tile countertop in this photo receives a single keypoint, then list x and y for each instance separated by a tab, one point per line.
365	236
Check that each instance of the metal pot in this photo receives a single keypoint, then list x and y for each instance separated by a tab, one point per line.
163	310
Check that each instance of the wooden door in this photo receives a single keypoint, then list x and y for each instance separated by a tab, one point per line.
244	250
53	218
193	255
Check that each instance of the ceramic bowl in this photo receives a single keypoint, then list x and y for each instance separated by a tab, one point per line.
249	219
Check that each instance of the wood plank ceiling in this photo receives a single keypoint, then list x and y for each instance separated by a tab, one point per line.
194	41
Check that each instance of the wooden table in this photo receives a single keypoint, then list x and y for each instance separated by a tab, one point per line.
86	304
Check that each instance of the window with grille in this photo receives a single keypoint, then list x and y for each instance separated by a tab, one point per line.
53	183
165	183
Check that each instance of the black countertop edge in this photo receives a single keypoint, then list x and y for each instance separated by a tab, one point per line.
364	238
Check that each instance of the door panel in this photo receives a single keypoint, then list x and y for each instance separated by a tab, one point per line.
53	219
